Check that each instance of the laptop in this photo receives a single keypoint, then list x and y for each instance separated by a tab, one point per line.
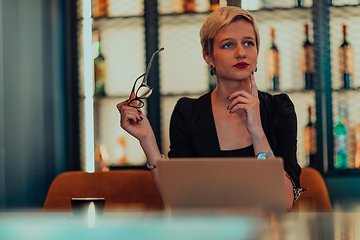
222	183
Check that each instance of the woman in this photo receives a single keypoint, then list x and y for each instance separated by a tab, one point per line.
235	119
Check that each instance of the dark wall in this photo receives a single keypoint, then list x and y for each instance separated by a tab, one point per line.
32	109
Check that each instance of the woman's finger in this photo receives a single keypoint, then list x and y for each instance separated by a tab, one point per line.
254	91
239	96
132	96
134	103
240	93
130	110
238	106
238	100
124	103
132	117
128	119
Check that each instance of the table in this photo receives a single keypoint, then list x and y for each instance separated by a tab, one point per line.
151	225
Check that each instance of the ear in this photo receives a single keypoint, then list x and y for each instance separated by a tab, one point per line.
208	59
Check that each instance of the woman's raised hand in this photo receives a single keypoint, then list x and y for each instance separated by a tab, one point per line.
250	103
134	121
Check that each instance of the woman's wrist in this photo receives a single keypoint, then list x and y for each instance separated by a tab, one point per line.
260	143
151	149
258	136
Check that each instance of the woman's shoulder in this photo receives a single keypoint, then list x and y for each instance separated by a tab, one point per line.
280	101
278	105
188	104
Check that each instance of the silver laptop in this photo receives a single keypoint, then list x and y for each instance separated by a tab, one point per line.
223	183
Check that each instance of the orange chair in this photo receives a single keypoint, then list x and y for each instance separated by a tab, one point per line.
120	188
316	198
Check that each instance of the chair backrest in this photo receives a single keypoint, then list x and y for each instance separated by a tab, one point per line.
316	198
120	188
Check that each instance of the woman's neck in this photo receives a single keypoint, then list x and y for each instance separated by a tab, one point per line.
225	88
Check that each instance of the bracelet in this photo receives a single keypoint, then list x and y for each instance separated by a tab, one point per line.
154	166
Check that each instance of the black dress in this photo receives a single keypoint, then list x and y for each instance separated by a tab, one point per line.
193	131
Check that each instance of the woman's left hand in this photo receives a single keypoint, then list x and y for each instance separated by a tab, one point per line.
250	104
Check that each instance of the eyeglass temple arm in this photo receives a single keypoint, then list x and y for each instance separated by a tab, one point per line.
149	65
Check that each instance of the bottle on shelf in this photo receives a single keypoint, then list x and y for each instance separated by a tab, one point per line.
303	3
99	66
235	3
307	60
341	153
357	145
298	3
272	62
188	6
99	8
214	4
310	141
346	60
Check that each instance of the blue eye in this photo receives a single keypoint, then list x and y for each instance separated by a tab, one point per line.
227	45
249	44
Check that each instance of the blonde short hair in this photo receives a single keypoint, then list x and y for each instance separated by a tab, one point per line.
220	18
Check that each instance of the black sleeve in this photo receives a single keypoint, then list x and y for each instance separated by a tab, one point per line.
180	133
286	136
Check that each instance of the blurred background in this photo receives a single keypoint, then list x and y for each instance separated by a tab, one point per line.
64	65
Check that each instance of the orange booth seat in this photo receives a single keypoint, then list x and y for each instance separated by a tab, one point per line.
120	188
135	189
316	198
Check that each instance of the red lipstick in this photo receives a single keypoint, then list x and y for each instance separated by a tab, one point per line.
241	65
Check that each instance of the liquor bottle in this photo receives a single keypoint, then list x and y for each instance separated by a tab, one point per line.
341	142
303	3
357	146
189	6
307	60
298	3
235	3
99	8
346	60
214	4
310	141
272	62
99	66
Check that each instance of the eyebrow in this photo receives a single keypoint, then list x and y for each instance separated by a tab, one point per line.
226	39
246	37
252	38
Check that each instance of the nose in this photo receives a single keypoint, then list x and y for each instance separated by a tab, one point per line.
239	52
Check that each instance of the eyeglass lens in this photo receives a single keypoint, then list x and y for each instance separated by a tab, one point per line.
142	91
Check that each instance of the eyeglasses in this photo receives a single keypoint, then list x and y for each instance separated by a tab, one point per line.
143	91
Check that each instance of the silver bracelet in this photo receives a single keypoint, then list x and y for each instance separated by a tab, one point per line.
154	166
